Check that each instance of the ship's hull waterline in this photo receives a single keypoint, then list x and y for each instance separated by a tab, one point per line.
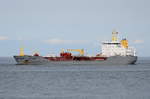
113	60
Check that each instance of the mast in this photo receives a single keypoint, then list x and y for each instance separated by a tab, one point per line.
21	52
114	36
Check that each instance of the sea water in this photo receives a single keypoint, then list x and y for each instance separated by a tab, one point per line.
74	81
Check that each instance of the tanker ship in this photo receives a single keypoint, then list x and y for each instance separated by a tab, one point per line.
113	52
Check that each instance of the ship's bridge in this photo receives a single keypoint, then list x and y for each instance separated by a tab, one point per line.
116	47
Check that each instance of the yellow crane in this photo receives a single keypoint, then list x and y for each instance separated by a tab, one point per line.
81	51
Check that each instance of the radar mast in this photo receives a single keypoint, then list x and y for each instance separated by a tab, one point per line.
114	36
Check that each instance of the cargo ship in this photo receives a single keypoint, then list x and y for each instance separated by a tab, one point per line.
113	52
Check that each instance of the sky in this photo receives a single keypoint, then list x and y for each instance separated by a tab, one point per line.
47	26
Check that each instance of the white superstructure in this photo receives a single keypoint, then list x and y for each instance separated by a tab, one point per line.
116	47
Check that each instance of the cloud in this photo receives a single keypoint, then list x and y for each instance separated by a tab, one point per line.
62	41
138	41
3	38
21	38
55	41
